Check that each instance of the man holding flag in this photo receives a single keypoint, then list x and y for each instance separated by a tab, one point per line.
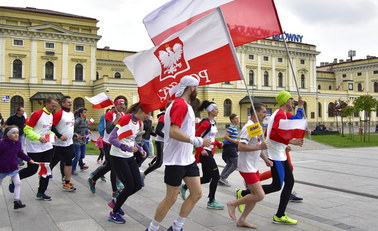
178	158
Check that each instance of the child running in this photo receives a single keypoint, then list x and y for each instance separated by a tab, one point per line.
250	151
10	150
100	145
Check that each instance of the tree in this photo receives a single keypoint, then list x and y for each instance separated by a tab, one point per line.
367	104
348	112
336	111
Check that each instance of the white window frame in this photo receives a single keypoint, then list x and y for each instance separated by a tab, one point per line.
16	45
76	46
52	48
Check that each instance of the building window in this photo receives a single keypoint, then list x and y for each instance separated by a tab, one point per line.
280	79
266	58
312	115
227	82
331	110
16	102
329	87
117	75
344	75
251	78
359	73
227	105
350	86
302	61
280	60
266	79
97	75
78	103
319	110
79	72
49	70
50	45
251	57
18	42
375	72
303	81
376	87
356	114
359	87
79	48
319	87
17	68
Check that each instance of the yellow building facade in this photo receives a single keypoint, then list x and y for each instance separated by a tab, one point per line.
44	52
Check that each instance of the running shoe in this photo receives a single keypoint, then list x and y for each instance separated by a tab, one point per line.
11	186
116	218
18	205
284	220
214	205
238	195
224	182
111	204
171	229
103	179
115	194
92	185
183	192
42	196
84	167
120	186
294	198
69	187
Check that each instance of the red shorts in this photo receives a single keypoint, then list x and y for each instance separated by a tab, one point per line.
250	177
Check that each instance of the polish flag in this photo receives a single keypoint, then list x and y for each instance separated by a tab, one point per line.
100	101
201	50
50	138
292	129
247	20
44	170
124	132
91	120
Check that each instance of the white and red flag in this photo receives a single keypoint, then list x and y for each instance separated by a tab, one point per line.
50	138
44	170
124	132
202	50
292	129
247	20
91	121
100	101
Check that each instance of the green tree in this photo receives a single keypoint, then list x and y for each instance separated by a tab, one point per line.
348	112
367	104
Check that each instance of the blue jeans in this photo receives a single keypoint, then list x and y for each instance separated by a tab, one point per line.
79	155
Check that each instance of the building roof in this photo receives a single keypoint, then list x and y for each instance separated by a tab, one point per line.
258	99
44	11
43	96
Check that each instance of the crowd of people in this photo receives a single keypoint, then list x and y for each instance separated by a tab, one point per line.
52	136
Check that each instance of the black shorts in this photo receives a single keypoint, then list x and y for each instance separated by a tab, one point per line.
65	154
174	174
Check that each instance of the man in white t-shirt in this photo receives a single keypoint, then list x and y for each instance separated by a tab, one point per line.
178	156
249	153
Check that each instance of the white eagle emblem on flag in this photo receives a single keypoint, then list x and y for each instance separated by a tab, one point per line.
171	58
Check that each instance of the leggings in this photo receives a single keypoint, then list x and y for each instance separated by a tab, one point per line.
106	167
210	173
158	160
268	174
17	186
128	173
31	169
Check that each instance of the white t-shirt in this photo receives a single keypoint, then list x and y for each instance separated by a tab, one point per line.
176	152
64	123
247	161
41	122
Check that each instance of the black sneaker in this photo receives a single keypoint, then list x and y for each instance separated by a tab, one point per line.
18	205
295	199
42	196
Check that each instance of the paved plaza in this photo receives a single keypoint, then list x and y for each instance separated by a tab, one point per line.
339	187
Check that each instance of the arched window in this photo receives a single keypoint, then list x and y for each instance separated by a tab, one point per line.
331	110
319	87
49	70
195	105
78	103
79	72
16	101
359	87
303	81
319	110
280	79
97	75
117	75
227	105
251	78
17	68
376	87
266	79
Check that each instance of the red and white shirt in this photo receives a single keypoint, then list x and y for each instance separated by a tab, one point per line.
64	122
41	122
109	116
176	152
247	161
130	127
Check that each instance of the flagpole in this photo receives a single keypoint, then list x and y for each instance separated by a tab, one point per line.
238	64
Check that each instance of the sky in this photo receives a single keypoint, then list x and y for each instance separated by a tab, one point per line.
334	26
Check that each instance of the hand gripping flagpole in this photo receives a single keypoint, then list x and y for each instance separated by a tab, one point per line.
238	64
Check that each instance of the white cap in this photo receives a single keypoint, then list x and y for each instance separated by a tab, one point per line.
186	81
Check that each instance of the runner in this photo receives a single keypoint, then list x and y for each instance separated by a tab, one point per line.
180	164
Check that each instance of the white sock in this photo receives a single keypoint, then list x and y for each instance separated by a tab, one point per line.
178	223
154	226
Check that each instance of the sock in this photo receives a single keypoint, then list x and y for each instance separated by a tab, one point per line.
178	223
154	226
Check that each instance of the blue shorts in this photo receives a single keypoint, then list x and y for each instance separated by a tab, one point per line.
11	174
